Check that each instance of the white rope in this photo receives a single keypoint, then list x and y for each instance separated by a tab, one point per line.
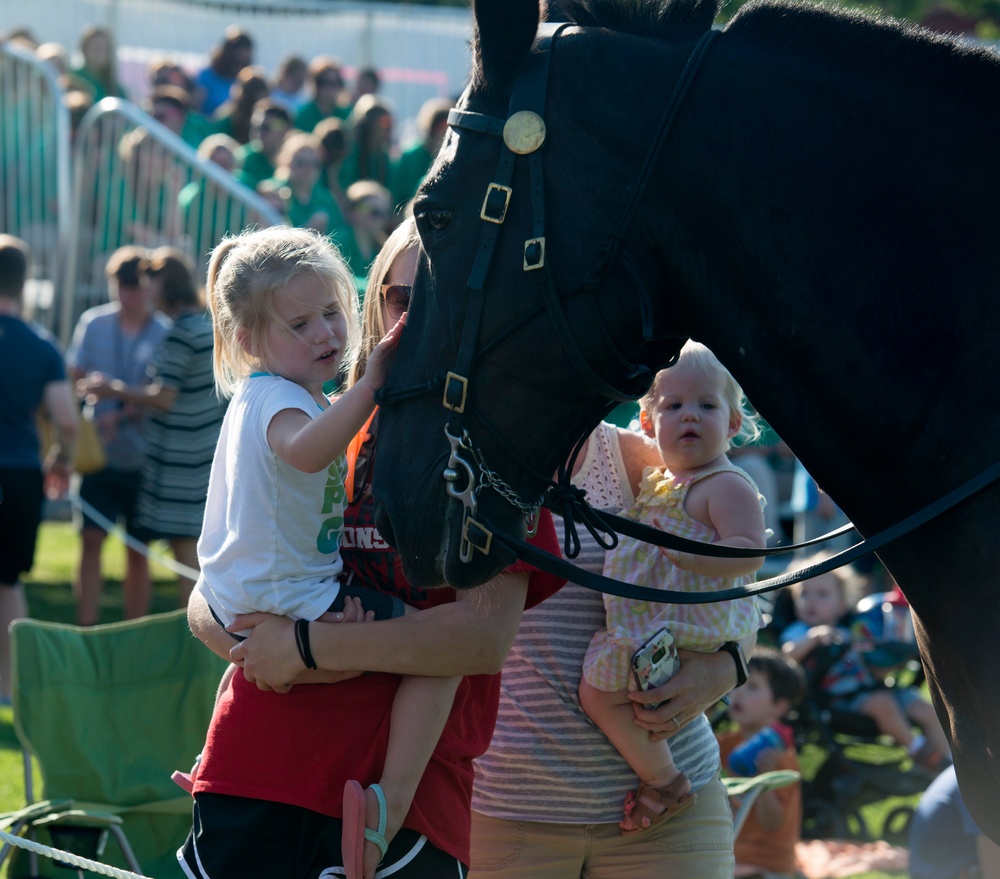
126	538
68	857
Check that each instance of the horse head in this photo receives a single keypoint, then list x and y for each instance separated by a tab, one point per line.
521	335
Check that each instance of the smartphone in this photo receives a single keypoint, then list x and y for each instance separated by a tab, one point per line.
655	662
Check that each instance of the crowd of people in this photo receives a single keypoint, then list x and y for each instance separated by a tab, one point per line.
322	151
415	758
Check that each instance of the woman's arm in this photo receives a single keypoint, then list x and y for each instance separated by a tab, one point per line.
207	630
471	635
60	408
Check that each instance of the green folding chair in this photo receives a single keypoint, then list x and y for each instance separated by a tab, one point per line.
746	790
108	712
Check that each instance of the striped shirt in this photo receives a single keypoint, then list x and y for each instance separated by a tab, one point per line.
547	761
180	442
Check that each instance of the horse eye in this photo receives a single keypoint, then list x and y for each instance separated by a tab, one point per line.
438	219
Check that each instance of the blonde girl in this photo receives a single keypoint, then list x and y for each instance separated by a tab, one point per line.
284	312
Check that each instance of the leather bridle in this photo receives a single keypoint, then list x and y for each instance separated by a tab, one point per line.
522	135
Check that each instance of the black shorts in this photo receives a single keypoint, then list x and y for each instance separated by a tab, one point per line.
113	494
236	837
385	606
20	516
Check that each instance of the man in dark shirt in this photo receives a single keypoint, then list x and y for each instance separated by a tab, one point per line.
32	377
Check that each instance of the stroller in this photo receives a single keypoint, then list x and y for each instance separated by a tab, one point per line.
857	767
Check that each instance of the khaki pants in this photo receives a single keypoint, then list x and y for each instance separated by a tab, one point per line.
697	844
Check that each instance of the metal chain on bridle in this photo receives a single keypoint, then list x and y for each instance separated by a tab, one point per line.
467	474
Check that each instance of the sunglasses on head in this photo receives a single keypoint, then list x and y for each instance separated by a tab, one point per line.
396	297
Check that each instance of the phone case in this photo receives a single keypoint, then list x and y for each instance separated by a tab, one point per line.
655	662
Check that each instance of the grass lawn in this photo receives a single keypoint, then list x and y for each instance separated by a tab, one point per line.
50	597
48	589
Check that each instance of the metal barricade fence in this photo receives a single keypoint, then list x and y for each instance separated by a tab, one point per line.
35	168
137	183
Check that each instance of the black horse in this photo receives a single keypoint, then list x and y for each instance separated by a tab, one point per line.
815	203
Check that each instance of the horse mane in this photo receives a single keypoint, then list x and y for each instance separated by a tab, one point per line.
889	51
656	19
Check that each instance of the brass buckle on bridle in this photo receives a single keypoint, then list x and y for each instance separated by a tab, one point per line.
494	209
452	382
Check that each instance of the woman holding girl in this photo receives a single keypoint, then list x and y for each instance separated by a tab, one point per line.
272	803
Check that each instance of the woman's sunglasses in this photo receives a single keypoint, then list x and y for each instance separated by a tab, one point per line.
396	298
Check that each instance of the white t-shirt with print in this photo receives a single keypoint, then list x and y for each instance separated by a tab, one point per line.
271	537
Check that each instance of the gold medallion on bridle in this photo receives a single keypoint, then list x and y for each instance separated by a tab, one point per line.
524	132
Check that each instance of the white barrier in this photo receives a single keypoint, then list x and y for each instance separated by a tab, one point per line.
129	541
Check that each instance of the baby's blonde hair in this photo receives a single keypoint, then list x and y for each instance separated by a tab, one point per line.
244	273
698	356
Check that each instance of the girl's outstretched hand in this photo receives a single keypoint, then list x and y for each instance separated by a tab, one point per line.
377	368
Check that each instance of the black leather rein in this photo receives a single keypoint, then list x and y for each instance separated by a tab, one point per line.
561	568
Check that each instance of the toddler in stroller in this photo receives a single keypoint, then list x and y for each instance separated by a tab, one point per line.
845	654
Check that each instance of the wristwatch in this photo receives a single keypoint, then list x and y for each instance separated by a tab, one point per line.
735	650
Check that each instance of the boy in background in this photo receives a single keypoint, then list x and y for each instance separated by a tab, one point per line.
775	684
823	621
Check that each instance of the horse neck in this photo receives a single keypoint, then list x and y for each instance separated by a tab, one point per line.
796	244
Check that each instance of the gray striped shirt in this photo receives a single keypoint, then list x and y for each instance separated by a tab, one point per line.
548	762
